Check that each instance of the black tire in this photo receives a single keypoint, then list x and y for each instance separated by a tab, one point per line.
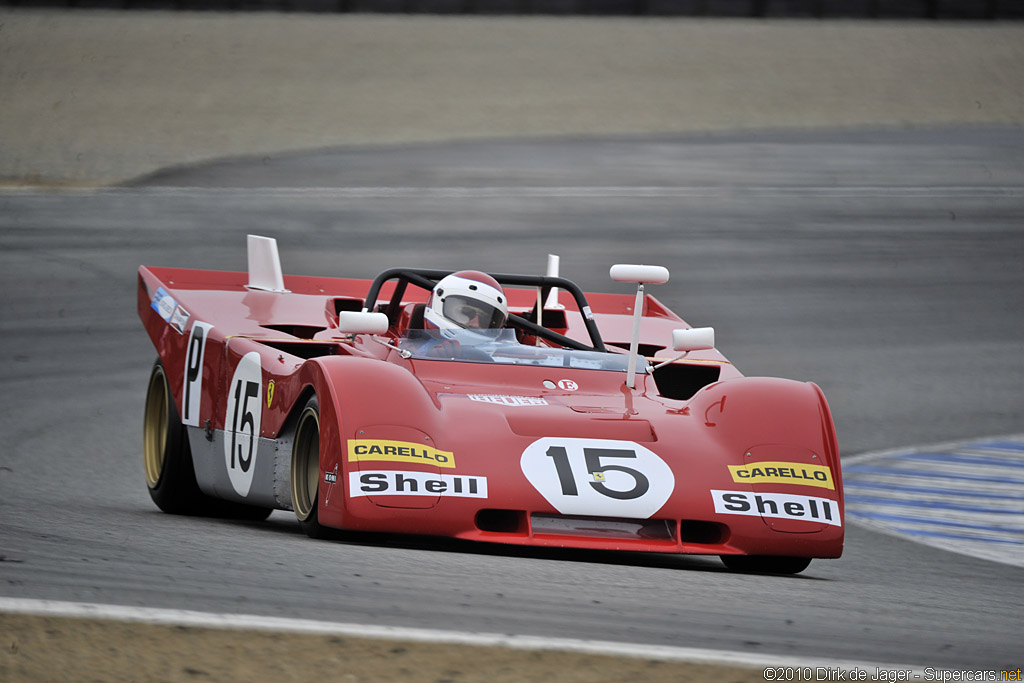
170	476
766	564
305	471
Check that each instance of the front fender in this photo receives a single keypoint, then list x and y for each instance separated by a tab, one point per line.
749	411
780	437
368	395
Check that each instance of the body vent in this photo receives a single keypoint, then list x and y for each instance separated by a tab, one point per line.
703	533
681	381
306	351
502	521
645	350
602	527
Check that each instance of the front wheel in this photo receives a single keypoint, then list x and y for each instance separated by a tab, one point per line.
305	472
766	564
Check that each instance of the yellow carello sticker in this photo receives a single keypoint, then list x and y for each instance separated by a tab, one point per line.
783	473
361	450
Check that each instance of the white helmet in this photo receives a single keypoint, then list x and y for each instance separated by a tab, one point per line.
467	299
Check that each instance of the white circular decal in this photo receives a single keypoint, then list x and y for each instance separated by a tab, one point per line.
599	477
242	422
567	385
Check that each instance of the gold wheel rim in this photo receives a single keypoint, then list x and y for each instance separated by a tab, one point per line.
154	428
306	464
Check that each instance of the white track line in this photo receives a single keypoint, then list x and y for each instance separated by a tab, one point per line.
533	192
175	617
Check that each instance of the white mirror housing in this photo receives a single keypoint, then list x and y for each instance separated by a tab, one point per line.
362	322
693	339
648	275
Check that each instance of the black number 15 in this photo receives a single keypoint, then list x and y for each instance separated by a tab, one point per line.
242	403
593	458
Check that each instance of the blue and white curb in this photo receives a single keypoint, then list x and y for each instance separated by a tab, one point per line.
966	497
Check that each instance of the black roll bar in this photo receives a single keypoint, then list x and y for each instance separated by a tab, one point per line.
426	278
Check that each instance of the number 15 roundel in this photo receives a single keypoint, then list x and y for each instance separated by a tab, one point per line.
598	477
242	422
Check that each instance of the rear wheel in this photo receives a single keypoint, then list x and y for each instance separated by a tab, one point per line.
766	564
170	476
305	472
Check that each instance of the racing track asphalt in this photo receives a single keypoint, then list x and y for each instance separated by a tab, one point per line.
882	265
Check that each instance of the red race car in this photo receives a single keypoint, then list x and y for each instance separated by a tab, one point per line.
491	407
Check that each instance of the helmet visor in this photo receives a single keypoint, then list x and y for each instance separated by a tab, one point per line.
472	313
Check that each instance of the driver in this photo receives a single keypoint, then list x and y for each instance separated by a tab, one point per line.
466	300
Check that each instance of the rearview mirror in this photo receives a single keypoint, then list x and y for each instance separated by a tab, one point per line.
639	275
693	339
362	322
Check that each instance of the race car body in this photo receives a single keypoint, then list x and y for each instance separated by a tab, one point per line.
589	421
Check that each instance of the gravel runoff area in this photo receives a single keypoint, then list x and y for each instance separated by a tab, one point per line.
93	98
39	648
96	97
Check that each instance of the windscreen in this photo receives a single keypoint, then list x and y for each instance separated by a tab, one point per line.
501	347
